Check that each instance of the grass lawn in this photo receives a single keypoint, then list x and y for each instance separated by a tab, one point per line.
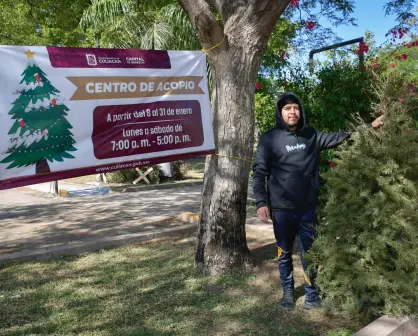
149	289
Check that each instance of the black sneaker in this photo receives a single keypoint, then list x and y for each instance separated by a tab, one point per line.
288	301
316	304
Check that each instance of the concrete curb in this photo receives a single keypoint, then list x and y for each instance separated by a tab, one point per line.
91	246
158	186
389	326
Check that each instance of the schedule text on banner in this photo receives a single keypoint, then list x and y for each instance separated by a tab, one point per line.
67	112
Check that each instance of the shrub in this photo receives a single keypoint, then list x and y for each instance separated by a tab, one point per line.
368	244
180	169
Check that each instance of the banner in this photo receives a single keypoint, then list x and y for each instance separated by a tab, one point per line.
67	112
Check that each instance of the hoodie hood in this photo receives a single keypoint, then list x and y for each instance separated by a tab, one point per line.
279	119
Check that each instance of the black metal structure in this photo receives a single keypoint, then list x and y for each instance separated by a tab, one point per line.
335	46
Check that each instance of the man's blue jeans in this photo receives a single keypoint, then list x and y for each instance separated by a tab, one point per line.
287	225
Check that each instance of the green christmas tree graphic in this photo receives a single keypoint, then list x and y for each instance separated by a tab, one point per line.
40	133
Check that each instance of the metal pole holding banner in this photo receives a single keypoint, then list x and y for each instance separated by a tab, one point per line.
166	169
102	176
53	188
335	46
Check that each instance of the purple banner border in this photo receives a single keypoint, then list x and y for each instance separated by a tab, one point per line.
22	181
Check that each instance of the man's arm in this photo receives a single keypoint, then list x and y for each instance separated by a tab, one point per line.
333	139
261	169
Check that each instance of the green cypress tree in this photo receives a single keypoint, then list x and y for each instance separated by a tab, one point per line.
40	131
367	248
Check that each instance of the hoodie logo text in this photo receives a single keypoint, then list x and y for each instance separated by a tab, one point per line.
297	147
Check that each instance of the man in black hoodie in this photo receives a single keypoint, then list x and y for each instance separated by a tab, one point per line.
288	156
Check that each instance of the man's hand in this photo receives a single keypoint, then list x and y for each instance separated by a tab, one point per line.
378	122
263	214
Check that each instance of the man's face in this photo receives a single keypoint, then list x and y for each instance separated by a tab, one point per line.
291	115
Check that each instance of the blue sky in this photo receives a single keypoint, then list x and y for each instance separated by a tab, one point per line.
370	16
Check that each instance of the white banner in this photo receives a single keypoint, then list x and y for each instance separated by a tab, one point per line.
67	112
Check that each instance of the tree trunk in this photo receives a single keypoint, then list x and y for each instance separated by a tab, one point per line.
221	238
42	167
245	29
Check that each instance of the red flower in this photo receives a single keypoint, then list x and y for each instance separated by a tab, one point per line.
375	66
285	83
332	164
400	99
294	3
363	48
404	56
392	65
398	33
258	86
310	25
412	44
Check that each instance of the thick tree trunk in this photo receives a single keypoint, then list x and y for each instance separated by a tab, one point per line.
246	26
42	167
221	237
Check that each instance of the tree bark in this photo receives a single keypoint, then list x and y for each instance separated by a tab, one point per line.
222	239
42	167
247	26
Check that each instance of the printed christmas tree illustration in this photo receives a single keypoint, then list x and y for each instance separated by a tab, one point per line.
40	133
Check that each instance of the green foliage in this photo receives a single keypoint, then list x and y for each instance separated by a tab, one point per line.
341	332
342	91
15	26
405	67
265	111
180	169
368	244
274	58
59	22
140	24
47	22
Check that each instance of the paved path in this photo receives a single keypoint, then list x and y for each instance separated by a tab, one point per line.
29	220
74	190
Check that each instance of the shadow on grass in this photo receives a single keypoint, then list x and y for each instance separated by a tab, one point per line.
147	289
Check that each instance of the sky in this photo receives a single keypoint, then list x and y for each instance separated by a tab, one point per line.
370	16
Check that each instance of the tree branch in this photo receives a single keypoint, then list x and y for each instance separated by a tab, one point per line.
207	28
265	13
253	16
